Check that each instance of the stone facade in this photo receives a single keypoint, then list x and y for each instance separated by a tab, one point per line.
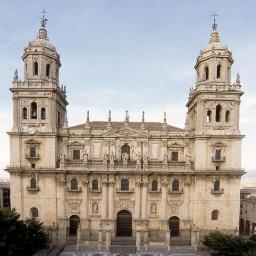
248	211
4	194
172	183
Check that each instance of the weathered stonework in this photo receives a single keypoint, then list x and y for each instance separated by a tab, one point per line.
162	176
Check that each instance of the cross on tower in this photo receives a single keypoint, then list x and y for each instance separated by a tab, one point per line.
43	19
214	25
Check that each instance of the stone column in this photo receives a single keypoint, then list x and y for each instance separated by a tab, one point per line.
61	208
144	198
85	208
167	238
104	206
78	239
138	240
99	239
111	200
194	236
108	235
164	198
137	198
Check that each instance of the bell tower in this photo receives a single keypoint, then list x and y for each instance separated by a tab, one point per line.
213	105
213	109
39	102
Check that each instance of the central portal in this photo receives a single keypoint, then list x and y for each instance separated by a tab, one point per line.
124	223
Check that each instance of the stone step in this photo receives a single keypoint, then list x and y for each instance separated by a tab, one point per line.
123	241
123	249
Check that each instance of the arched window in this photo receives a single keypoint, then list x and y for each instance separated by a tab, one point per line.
206	73
35	70
124	185
126	150
218	71
33	183
43	114
48	70
95	185
216	185
209	116
33	110
218	154
154	185
24	113
76	154
215	214
34	212
74	184
175	185
218	113
227	116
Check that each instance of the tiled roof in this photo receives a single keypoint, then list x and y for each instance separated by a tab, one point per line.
150	126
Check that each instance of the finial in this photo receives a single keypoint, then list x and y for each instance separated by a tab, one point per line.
43	19
109	115
214	35
238	79
143	117
126	116
88	117
164	116
65	121
15	77
214	25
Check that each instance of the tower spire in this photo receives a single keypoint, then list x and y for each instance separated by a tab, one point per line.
42	31
214	35
43	19
214	25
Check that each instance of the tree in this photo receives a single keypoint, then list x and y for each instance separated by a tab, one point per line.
227	245
18	237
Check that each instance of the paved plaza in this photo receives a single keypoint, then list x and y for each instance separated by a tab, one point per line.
175	251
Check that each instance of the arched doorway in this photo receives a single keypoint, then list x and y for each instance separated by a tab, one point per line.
174	226
124	223
74	221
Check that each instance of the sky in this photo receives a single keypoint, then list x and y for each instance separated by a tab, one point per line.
130	54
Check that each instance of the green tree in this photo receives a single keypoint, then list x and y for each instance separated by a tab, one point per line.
18	237
229	245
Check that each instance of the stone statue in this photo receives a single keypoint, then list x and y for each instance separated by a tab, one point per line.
105	160
188	160
165	159
145	161
125	159
95	208
62	161
112	159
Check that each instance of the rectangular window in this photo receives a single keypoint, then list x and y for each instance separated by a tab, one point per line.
76	154
33	152
218	154
175	156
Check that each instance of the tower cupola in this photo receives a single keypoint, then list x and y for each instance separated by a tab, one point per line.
41	59
213	65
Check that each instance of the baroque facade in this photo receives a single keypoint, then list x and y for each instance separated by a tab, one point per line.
126	178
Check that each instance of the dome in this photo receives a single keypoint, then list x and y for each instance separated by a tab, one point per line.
42	41
214	44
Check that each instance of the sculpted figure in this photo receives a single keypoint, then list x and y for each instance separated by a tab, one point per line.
62	161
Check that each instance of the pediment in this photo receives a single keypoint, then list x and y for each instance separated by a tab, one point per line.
75	143
31	141
125	132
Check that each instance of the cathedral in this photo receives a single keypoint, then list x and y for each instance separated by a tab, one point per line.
148	182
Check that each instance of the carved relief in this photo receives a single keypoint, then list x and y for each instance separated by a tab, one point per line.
61	178
174	207
124	205
74	205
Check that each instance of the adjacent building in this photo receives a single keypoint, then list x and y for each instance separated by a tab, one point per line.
4	194
124	178
248	211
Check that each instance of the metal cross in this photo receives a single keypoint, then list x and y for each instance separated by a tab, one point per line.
43	19
214	25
